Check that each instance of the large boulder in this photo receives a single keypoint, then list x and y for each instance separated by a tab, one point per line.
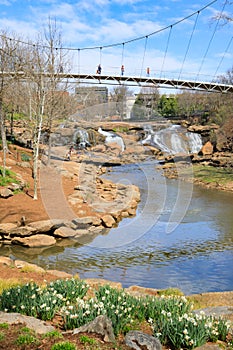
100	325
45	225
5	193
108	220
40	327
32	267
34	241
6	228
207	148
138	340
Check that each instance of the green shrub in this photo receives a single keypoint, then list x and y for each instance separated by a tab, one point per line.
26	339
84	339
64	346
9	177
25	157
53	334
4	325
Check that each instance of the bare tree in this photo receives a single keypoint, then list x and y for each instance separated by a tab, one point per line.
224	17
9	64
56	86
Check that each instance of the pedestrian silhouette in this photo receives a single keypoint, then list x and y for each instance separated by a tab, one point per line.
99	69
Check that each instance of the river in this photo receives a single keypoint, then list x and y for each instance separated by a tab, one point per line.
182	237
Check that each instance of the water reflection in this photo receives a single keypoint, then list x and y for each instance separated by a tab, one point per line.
197	256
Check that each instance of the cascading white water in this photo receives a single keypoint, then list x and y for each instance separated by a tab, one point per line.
174	140
81	138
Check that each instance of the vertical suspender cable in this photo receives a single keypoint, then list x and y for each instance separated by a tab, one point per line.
122	55
165	54
78	61
194	27
211	39
100	55
143	56
223	56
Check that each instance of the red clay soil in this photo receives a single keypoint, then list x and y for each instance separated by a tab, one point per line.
22	204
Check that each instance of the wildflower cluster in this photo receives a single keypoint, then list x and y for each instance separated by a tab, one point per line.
179	328
116	304
170	317
42	303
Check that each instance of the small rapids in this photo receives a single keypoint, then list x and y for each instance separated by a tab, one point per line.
173	140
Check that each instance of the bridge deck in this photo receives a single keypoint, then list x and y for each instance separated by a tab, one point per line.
140	81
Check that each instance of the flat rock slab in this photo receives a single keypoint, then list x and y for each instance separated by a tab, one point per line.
40	327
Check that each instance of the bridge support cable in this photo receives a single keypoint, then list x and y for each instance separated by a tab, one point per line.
122	54
100	60
144	53
165	54
211	39
222	58
189	43
78	61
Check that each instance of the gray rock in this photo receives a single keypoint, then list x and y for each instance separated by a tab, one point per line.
138	340
209	346
64	232
108	220
6	261
23	231
5	228
6	193
218	311
45	225
40	327
21	264
34	241
100	325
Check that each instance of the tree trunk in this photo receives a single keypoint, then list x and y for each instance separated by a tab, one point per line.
3	137
36	147
50	142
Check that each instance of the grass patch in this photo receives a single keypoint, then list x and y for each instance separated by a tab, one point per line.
64	346
27	337
84	339
210	174
29	268
7	284
9	178
4	325
170	291
53	334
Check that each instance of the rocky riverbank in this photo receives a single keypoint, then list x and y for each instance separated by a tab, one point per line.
74	200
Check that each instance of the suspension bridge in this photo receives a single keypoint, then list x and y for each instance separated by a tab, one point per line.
152	61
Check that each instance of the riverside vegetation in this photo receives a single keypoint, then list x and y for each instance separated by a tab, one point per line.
169	317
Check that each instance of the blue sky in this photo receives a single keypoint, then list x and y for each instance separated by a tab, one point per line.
102	22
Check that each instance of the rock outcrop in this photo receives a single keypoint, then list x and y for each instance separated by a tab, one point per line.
138	340
100	325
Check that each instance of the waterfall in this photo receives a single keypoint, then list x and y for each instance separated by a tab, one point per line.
81	138
173	140
111	137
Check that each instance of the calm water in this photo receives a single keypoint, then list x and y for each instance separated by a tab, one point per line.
181	237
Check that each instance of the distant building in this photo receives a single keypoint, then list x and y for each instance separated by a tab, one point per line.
91	95
130	100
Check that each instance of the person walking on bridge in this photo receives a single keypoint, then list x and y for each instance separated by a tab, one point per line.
99	69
